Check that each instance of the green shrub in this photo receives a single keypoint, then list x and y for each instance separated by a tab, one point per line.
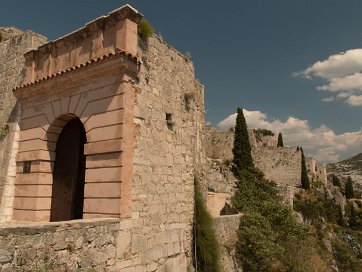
145	30
280	140
304	175
206	255
336	181
346	261
257	248
313	207
349	192
4	131
264	132
227	162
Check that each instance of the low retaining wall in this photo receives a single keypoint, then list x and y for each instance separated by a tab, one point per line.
79	245
226	230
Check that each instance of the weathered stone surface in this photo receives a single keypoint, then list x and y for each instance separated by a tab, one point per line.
280	164
5	256
59	246
226	230
12	73
167	154
165	120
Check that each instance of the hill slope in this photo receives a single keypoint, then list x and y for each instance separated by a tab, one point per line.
349	167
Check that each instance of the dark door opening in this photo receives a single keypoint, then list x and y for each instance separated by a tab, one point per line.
69	173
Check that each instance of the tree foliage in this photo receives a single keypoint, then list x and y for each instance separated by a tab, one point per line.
336	181
268	228
241	151
264	132
304	175
348	190
206	255
280	140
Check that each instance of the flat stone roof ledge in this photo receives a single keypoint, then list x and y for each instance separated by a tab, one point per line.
124	12
109	34
31	228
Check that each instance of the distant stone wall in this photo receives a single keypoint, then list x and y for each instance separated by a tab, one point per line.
12	73
80	245
219	144
280	164
226	230
316	171
321	172
169	118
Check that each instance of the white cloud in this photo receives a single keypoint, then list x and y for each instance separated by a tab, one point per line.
354	100
328	99
322	143
339	65
343	74
346	83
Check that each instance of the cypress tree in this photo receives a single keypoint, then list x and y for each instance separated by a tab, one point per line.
241	151
349	188
336	181
280	140
304	176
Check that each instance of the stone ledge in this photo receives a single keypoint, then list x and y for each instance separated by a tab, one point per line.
31	228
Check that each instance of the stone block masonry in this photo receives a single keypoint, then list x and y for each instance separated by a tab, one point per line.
169	118
226	228
280	164
142	113
15	43
81	245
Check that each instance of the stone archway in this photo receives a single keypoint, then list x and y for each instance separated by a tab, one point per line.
69	173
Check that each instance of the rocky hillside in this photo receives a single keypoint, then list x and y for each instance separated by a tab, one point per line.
349	167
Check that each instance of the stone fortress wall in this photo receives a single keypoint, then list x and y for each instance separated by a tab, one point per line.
316	171
167	155
14	44
167	146
79	245
167	115
280	164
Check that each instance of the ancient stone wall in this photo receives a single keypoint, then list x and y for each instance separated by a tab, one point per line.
226	230
168	117
81	245
13	45
280	164
321	172
218	144
316	171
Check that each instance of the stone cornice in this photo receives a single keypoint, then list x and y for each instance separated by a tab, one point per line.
75	76
122	13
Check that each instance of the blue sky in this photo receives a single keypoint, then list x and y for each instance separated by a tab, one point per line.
248	53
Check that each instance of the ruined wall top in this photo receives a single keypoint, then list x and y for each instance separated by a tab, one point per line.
9	32
115	32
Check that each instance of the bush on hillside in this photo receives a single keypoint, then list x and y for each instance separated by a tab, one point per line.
206	255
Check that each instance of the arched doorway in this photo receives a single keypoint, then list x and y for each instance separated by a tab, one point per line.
69	173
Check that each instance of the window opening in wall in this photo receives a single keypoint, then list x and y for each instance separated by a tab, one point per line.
169	121
26	166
